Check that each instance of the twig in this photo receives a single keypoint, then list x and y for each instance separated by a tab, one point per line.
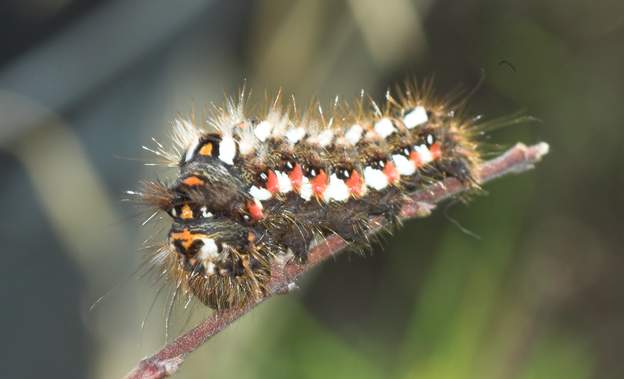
518	159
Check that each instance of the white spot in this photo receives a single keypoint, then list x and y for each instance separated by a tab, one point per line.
205	213
326	137
305	191
227	150
336	189
209	250
354	134
263	130
376	179
260	193
190	152
294	135
210	268
174	212
384	127
416	117
423	153
283	182
403	165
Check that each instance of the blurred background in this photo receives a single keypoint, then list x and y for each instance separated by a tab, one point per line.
84	84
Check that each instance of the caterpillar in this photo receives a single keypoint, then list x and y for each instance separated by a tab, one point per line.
253	189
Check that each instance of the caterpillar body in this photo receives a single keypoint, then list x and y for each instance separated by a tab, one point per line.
254	189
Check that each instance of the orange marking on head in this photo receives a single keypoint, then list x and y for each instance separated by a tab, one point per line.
415	157
187	212
296	177
391	172
355	184
436	150
185	236
319	183
272	182
193	181
206	150
255	211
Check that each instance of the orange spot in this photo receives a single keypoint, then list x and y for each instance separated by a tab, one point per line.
391	172
187	212
255	211
193	181
355	184
206	150
296	176
436	150
319	183
272	183
415	157
185	236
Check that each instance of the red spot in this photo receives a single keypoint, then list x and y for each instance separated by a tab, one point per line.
436	150
319	183
255	211
296	176
272	183
355	183
415	157
391	172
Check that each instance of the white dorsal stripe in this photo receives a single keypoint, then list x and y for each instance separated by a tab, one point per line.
354	134
375	179
260	194
423	153
403	165
417	116
336	190
384	127
263	130
283	182
227	150
190	152
305	191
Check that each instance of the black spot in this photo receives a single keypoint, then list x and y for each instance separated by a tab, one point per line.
343	173
311	171
263	177
288	165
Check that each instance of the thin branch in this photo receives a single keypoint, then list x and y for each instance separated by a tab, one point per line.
518	159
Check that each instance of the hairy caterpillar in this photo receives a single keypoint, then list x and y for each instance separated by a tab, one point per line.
252	189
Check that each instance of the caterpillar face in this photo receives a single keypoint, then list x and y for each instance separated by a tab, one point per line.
221	262
261	187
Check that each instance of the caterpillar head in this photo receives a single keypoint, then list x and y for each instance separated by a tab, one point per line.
221	262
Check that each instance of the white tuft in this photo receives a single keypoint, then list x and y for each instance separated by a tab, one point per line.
260	193
209	251
227	150
423	153
190	152
337	189
416	117
210	268
384	127
306	189
295	135
325	138
376	179
283	182
403	165
263	130
354	134
205	213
